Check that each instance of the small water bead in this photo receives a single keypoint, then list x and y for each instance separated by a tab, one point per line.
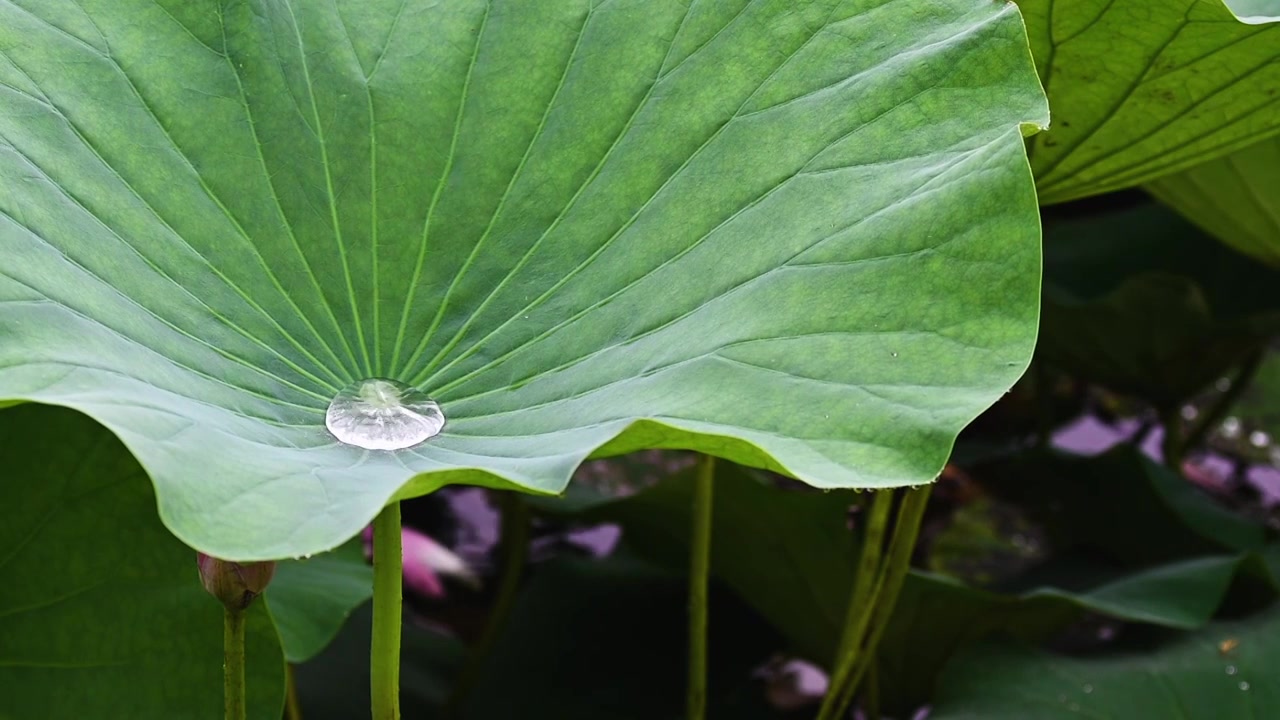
1244	685
1230	428
1189	412
381	414
1259	439
1231	669
1087	688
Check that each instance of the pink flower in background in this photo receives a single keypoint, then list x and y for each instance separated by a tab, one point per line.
426	562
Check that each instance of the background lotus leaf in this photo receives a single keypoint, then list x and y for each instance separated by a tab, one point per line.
100	607
1222	671
1143	88
1236	198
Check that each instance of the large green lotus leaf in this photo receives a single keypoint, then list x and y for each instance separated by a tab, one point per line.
801	236
102	614
1226	671
310	599
1237	198
1142	88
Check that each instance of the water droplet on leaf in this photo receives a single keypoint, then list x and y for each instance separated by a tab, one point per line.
1087	688
1243	685
381	414
1231	427
1231	669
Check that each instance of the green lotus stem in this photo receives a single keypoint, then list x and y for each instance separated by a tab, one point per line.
384	658
515	553
892	574
233	662
699	580
862	600
871	692
292	703
1215	412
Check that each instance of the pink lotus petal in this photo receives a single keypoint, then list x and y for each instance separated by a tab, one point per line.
425	560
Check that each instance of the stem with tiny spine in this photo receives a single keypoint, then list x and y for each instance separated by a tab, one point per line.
233	662
699	580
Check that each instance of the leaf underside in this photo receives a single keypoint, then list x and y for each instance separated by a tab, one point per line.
1143	88
1235	197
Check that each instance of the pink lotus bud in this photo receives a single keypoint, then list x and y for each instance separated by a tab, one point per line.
234	584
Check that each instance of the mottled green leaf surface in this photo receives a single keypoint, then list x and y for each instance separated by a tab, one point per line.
1225	671
798	235
102	614
1236	198
1142	88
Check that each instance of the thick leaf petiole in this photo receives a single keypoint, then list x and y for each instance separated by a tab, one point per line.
875	594
699	578
384	659
233	662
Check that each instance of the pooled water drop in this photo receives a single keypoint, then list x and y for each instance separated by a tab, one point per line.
381	414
